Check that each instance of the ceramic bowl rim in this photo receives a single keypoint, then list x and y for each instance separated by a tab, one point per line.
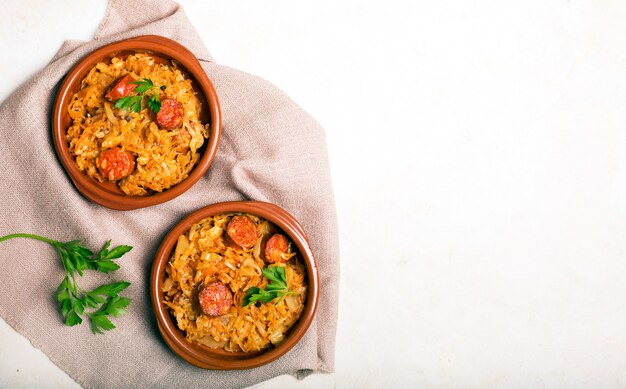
202	356
147	43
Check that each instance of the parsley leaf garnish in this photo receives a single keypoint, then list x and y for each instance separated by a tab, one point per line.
72	299
154	103
143	85
133	103
276	288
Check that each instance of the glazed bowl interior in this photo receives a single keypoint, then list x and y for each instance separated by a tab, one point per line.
163	50
209	358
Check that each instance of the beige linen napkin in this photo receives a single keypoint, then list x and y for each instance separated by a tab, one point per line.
271	150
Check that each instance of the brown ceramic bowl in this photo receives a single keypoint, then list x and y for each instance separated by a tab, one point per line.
108	194
208	358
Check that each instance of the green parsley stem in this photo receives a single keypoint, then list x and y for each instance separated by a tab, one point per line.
30	236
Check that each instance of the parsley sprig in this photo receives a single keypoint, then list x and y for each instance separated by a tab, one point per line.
72	299
276	288
133	103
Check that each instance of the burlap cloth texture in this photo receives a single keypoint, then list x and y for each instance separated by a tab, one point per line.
271	150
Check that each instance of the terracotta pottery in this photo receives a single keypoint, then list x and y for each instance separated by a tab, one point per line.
162	49
208	358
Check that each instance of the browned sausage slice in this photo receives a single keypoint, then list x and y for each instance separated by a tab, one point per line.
115	163
171	114
276	248
215	299
242	231
122	87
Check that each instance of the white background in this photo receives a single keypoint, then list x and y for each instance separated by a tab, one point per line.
478	159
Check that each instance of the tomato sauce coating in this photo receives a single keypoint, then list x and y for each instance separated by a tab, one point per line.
170	115
276	248
215	299
121	88
115	163
242	231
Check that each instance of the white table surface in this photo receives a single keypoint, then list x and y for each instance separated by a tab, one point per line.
478	154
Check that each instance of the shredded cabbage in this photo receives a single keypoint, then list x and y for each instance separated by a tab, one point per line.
164	158
201	256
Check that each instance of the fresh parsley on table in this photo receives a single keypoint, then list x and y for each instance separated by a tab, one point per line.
73	300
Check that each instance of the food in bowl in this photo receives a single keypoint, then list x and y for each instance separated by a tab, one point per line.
136	121
235	282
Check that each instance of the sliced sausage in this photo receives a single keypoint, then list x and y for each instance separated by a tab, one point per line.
122	87
242	231
115	163
171	114
276	249
215	299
